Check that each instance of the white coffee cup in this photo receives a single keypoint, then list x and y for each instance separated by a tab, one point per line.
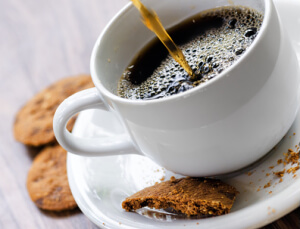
218	127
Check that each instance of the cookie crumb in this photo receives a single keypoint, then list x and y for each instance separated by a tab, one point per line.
250	173
273	210
290	158
293	169
279	173
267	185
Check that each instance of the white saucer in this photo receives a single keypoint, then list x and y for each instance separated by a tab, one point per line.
99	185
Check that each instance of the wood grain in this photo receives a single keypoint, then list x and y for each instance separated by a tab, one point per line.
41	42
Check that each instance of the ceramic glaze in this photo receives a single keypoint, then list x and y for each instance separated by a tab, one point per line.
221	126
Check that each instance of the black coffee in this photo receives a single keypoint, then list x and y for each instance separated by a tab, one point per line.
211	41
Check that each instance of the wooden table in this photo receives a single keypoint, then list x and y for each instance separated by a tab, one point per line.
41	42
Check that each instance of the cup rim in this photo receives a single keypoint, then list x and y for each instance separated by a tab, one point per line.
104	91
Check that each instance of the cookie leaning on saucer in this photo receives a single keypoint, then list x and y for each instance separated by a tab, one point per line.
191	196
47	181
33	123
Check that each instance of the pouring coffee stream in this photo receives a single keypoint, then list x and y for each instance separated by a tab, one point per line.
152	22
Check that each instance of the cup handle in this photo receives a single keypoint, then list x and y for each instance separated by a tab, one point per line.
83	100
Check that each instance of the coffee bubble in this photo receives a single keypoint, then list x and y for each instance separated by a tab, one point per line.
211	42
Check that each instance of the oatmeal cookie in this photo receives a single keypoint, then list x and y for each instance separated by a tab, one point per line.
33	123
47	181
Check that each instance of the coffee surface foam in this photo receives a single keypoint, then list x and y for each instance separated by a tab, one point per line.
211	42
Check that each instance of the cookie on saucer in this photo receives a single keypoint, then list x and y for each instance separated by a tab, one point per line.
190	196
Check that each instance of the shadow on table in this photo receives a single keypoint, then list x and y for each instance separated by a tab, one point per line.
61	214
